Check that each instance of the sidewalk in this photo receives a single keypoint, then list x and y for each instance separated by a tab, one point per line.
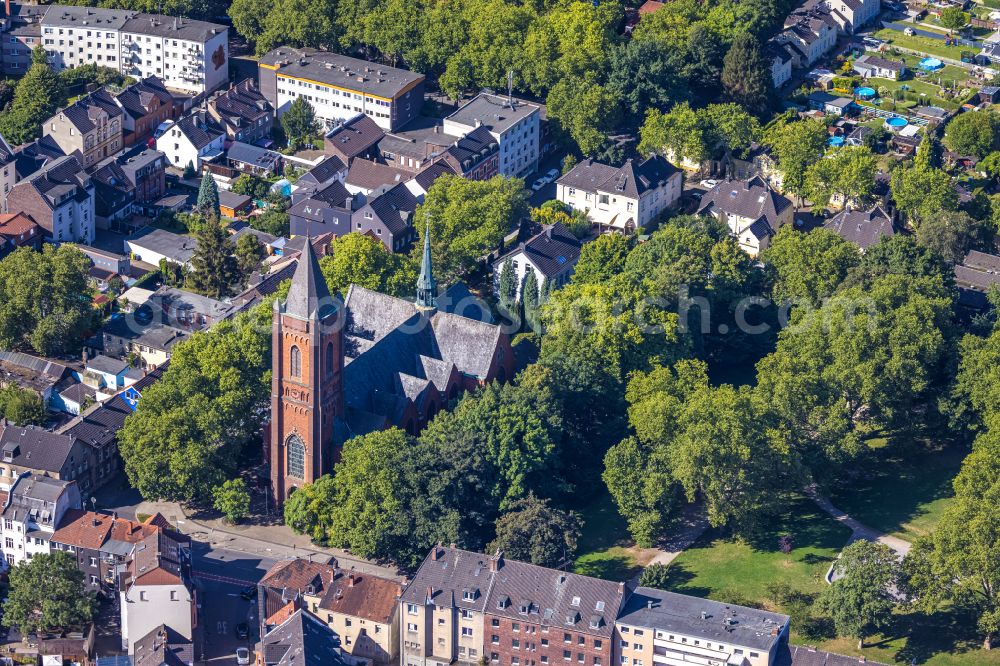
692	525
272	541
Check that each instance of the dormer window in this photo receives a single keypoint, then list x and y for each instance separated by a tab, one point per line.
575	602
503	602
469	595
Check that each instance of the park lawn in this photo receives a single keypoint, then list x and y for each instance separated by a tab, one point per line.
606	550
720	567
902	490
920	43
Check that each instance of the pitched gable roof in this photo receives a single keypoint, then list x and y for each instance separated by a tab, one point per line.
86	113
863	228
551	250
751	199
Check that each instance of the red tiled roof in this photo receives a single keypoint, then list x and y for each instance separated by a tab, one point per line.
15	224
359	595
83	529
282	614
650	6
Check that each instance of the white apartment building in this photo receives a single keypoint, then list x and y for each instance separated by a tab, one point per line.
339	87
514	123
621	198
187	55
35	505
191	140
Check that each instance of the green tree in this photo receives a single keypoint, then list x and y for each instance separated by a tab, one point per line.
583	109
677	134
208	196
274	222
602	259
809	266
44	299
953	18
849	174
643	77
37	96
746	77
298	23
796	146
949	233
656	576
535	531
860	600
362	260
358	506
191	428
972	134
529	302
232	500
249	254
250	186
959	563
922	191
299	121
214	268
21	406
468	220
189	171
507	287
249	17
47	594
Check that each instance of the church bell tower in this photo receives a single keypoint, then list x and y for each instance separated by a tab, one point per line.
307	362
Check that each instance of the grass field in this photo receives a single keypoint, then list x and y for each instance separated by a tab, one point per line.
920	43
902	490
605	547
918	86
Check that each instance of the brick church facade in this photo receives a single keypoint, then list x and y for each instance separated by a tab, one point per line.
343	369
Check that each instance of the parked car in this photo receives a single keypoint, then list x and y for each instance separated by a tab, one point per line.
909	32
242	630
242	656
551	174
539	184
249	592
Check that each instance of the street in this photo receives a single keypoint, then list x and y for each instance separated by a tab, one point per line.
220	575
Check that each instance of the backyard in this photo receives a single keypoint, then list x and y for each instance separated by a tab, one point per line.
606	548
921	44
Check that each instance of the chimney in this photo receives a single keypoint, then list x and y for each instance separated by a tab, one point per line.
452	546
349	203
333	574
350	579
649	603
436	553
430	592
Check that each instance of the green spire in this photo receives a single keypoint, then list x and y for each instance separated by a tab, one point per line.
426	287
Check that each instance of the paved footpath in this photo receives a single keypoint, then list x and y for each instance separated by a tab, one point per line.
270	541
692	525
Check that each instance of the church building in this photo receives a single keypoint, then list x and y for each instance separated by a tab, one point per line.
371	362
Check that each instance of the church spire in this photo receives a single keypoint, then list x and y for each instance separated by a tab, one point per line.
308	296
426	287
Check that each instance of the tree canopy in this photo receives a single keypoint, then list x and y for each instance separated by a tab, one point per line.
47	593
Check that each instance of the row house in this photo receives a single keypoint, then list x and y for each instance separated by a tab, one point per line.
34	505
60	198
187	55
146	105
193	140
358	136
8	172
621	198
469	608
146	170
360	608
243	112
850	15
34	450
91	126
114	195
340	87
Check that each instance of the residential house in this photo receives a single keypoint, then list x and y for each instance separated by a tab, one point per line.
146	105
355	137
101	543
650	7
76	398
110	262
32	156
187	310
185	54
192	140
850	15
146	170
752	210
300	640
340	87
163	646
388	216
365	176
555	615
831	104
8	172
864	228
23	32
19	230
34	450
322	209
34	506
621	198
110	375
243	112
159	244
60	198
974	277
514	124
91	126
657	627
114	195
157	588
360	608
141	335
475	156
551	254
419	184
872	66
325	172
254	160
781	57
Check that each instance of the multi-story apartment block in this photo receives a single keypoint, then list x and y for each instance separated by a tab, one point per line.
621	198
35	505
187	55
657	628
515	124
60	198
339	87
22	32
91	126
8	172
